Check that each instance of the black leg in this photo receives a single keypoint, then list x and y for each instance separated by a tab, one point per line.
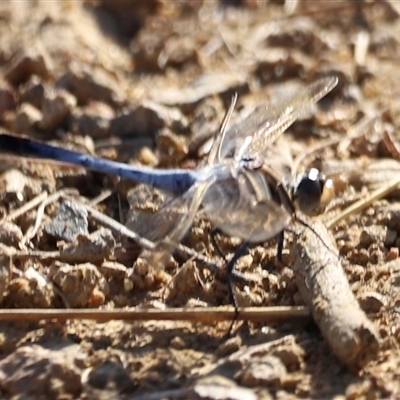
281	239
229	268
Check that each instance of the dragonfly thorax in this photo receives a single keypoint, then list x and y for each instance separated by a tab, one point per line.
251	162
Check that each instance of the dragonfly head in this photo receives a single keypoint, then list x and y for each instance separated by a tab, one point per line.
313	192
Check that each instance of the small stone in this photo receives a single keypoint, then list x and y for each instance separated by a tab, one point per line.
177	343
33	92
128	285
14	185
217	387
93	126
147	157
8	99
392	216
110	375
55	108
23	66
113	269
10	234
70	220
97	298
371	302
377	234
77	282
88	84
94	120
130	16
27	118
120	300
37	372
34	275
392	254
29	292
95	247
229	346
147	119
266	371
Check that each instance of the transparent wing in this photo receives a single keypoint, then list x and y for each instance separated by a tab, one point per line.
266	124
215	152
245	208
167	226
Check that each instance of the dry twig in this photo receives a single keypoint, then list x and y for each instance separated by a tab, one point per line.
26	207
324	287
207	315
31	232
362	204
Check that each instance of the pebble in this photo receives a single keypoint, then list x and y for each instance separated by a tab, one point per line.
23	66
371	302
110	375
33	92
27	118
10	234
266	371
42	372
8	99
218	387
55	108
77	282
70	219
95	247
377	234
87	84
229	346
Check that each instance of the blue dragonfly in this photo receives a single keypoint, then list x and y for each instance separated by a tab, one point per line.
239	189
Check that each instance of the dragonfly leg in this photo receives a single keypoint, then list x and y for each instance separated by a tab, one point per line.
279	251
229	268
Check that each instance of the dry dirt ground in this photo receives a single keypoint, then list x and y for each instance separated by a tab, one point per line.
149	83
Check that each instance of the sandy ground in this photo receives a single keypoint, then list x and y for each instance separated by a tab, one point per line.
149	83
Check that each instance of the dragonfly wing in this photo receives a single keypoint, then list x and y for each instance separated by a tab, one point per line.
215	152
167	226
239	209
266	124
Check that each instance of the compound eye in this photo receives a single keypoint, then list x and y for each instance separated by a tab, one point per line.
313	192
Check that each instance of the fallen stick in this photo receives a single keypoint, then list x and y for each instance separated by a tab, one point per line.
324	288
209	314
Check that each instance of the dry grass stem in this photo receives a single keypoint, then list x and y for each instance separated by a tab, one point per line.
362	204
205	315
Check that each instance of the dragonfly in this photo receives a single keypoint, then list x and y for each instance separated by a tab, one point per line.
238	189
